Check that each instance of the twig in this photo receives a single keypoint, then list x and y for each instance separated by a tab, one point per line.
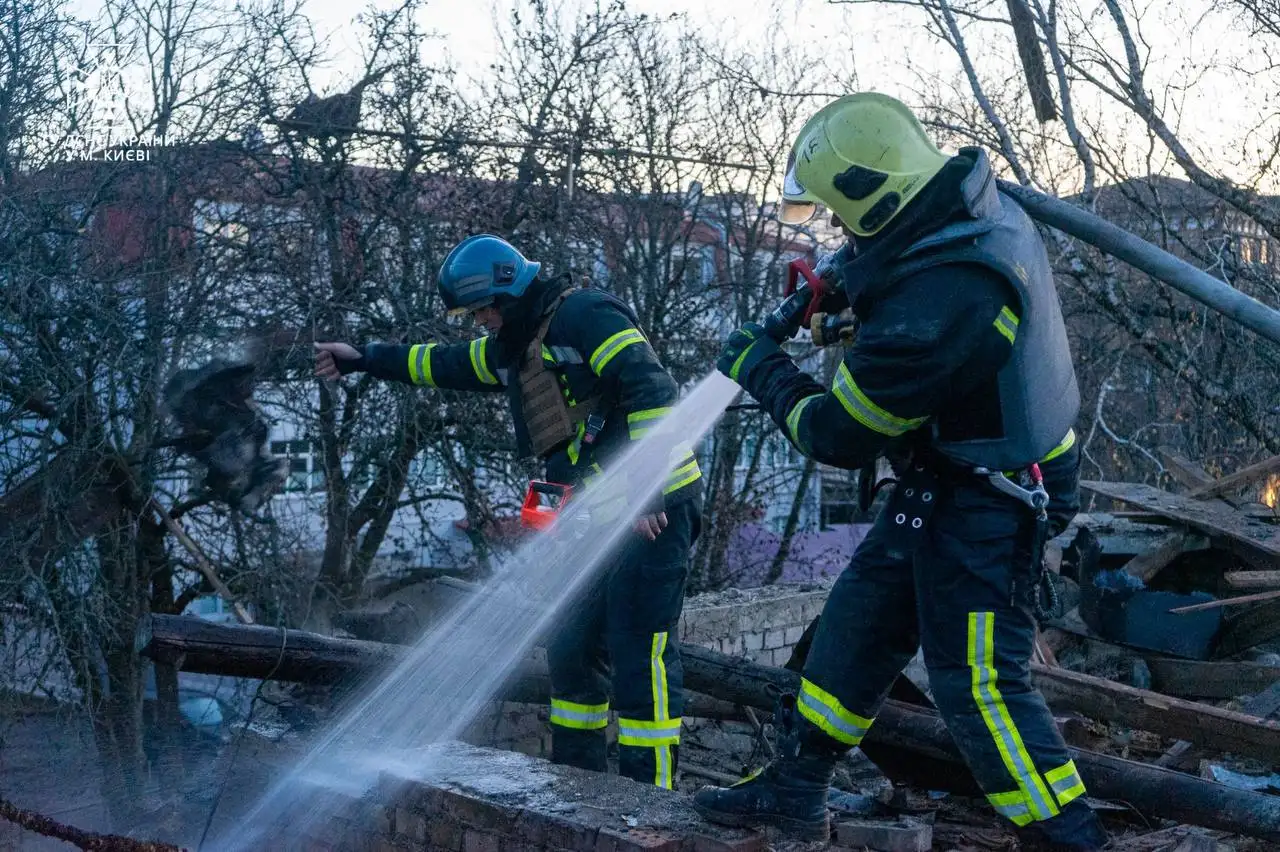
759	728
43	825
1243	599
206	568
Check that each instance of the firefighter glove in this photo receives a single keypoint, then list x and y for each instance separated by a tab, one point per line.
744	350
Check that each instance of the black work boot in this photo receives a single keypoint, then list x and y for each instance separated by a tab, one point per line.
791	792
1076	829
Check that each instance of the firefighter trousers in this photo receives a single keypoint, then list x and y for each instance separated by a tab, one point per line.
622	632
965	597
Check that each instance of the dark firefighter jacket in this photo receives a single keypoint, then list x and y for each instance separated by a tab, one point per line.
594	346
930	350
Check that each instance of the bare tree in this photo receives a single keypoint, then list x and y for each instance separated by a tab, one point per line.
1157	370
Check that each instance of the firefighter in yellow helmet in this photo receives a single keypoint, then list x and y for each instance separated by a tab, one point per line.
961	374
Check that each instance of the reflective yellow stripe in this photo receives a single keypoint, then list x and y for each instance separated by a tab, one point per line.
867	412
1011	806
682	476
648	734
662	732
658	675
420	364
583	717
996	714
640	422
737	365
612	345
478	349
1065	781
793	419
825	710
575	446
1007	323
1067	443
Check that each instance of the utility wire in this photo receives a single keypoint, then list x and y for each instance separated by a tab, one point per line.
330	129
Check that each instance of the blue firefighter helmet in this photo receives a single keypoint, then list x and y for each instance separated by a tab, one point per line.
480	269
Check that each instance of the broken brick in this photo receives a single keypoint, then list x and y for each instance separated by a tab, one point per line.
753	842
636	840
903	835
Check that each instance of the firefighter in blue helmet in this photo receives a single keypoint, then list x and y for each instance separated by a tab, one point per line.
582	381
961	374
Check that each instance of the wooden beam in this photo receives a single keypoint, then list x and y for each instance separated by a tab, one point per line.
1150	790
1264	705
1239	479
1188	474
262	652
1144	566
1175	718
1252	579
1258	537
1214	680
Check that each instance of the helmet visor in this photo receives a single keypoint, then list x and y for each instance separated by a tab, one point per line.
796	207
469	309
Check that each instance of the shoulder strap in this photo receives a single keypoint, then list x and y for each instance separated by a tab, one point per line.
535	346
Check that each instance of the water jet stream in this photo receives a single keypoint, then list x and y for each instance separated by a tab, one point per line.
457	666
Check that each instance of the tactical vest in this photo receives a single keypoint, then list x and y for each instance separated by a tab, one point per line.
1039	397
549	419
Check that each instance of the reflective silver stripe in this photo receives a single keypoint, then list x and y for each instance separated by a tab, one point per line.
844	731
996	714
578	716
663	755
1015	812
612	346
865	411
478	350
1065	782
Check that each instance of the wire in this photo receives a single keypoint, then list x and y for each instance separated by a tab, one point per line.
235	751
332	129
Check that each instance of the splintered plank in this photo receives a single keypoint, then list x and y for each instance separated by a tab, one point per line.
1239	479
1261	539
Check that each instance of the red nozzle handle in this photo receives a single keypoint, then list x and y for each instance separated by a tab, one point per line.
800	268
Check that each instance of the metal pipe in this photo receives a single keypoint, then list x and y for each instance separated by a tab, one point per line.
1151	259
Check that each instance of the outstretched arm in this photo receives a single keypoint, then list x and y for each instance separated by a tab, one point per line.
456	366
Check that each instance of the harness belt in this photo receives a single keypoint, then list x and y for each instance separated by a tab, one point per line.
915	498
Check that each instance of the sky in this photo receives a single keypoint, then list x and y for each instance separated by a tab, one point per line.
891	52
888	48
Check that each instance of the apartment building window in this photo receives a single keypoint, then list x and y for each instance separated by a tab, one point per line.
839	498
306	470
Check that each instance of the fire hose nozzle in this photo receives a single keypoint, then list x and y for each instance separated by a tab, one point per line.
830	329
805	289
